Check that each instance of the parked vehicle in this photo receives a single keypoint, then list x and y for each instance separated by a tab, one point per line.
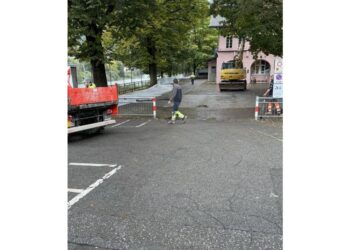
90	109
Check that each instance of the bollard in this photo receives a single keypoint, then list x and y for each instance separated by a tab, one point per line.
154	108
257	108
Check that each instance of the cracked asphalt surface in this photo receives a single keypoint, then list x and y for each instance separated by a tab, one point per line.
214	182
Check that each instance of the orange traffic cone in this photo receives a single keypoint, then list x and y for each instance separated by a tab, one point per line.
278	109
269	108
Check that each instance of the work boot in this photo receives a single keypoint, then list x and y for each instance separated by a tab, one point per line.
173	117
184	118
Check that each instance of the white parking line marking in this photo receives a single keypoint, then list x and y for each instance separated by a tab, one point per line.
92	164
121	123
92	187
142	124
272	195
278	139
74	190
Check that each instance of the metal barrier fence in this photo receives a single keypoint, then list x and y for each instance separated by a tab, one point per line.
137	106
262	107
127	87
130	87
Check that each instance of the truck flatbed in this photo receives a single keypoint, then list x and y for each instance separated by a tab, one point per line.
91	108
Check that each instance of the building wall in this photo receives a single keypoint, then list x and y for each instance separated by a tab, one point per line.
222	44
226	54
211	74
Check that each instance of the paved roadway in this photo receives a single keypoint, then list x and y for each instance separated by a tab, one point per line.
214	182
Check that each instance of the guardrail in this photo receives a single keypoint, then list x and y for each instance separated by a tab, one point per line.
127	87
137	106
130	87
268	107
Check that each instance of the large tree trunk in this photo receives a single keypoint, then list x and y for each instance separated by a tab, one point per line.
194	68
152	66
99	73
97	63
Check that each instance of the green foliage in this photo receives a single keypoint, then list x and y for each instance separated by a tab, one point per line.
156	36
87	19
258	21
200	45
83	69
115	70
155	32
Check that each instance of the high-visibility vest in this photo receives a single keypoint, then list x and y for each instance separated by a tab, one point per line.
91	85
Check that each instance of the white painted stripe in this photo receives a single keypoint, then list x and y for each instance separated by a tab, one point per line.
256	106
155	108
92	187
272	195
142	124
74	190
278	139
92	164
118	124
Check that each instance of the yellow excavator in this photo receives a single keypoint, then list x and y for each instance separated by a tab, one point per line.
233	75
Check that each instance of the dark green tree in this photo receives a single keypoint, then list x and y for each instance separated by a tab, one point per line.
153	32
201	45
87	20
258	21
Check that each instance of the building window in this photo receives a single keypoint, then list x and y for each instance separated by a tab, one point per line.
260	67
229	42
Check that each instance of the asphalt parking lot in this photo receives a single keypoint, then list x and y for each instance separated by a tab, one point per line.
214	182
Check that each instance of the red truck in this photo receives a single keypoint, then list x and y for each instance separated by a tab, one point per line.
90	109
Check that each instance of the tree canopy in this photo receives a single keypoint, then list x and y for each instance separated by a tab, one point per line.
154	37
87	20
258	21
157	36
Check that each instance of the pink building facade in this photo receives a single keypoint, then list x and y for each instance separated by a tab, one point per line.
258	70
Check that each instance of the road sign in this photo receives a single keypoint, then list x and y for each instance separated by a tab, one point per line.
278	66
278	78
278	90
